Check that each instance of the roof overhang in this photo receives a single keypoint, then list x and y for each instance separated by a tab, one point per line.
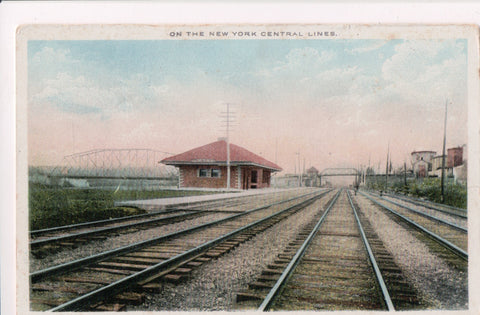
220	163
423	151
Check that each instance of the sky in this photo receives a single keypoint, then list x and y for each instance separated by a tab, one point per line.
322	103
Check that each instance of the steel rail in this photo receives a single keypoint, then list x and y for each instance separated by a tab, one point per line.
69	266
199	202
120	285
433	206
378	273
277	288
173	208
452	247
102	222
426	215
56	239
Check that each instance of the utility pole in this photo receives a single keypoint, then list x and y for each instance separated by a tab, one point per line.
228	146
386	169
443	154
228	120
299	170
301	178
368	169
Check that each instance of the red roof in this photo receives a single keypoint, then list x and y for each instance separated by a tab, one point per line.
216	152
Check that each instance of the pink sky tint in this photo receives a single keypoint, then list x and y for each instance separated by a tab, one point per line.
333	112
322	142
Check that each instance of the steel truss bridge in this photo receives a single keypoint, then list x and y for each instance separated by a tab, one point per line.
339	171
115	164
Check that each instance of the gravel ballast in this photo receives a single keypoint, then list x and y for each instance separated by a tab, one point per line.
214	285
462	222
113	242
442	286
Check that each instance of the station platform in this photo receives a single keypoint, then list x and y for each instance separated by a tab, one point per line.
162	203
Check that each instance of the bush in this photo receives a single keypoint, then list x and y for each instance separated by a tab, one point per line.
56	206
51	207
430	188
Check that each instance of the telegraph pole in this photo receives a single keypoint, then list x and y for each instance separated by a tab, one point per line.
368	169
299	170
443	154
228	120
303	172
386	169
228	146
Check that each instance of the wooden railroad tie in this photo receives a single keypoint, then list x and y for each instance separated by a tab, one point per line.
112	271
46	287
85	280
132	298
269	271
152	287
49	302
123	265
117	307
261	285
133	260
246	296
174	278
194	264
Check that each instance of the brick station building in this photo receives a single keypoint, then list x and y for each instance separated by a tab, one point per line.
206	166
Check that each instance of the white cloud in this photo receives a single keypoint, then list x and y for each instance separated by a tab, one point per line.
420	68
49	56
82	95
367	48
308	101
298	62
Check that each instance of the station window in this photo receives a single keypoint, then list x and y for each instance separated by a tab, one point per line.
266	177
216	173
203	172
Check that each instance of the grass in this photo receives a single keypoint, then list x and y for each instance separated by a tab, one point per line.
50	207
429	189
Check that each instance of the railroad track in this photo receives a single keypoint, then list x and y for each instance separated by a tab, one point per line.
337	263
454	211
228	204
446	236
223	204
455	219
48	241
100	223
108	280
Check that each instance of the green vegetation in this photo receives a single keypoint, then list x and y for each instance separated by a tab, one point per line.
428	188
51	207
150	194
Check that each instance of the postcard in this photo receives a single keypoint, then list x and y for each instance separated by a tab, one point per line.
247	167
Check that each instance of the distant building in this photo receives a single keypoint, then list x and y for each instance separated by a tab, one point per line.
436	170
454	157
437	162
422	162
460	173
427	160
285	181
312	171
206	166
311	179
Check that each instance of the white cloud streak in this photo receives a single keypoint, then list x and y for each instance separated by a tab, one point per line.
306	101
